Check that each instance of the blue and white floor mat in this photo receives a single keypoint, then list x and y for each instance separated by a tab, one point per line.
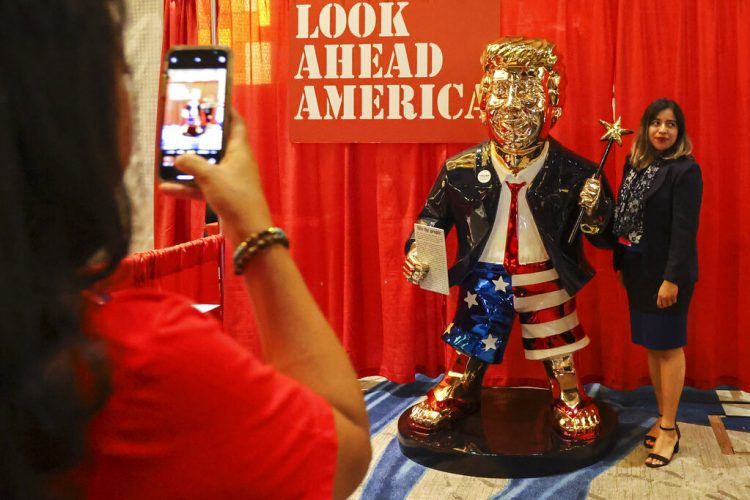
700	470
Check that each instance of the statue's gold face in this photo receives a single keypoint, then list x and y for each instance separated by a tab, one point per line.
516	108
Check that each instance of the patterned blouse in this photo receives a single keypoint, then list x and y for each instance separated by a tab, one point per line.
629	211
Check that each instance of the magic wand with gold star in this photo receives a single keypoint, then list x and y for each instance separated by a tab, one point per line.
613	134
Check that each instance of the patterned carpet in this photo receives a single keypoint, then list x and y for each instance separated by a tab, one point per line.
700	470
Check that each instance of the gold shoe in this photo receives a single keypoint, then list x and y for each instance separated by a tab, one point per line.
579	424
431	415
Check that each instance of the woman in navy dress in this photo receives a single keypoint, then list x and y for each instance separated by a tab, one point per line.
656	223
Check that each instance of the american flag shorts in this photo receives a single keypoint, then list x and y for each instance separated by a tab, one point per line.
490	298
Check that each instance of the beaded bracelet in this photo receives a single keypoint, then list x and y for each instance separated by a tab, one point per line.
254	244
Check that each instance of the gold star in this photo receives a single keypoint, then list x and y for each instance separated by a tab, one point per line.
614	131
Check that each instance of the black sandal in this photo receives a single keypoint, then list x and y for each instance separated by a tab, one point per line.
665	460
649	440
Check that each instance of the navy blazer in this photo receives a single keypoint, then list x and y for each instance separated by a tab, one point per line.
460	199
670	222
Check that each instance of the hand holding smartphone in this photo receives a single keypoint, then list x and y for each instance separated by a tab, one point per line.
233	188
194	107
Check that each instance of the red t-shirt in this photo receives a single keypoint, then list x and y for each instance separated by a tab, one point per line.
193	415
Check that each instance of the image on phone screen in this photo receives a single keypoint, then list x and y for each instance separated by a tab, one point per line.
194	108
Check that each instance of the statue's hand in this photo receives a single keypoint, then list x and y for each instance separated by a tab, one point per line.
590	194
414	269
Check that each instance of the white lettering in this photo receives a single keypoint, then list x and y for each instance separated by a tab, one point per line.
308	62
399	61
428	52
334	102
361	20
422	60
372	102
368	18
339	20
345	60
427	92
389	20
473	104
383	102
303	22
309	104
396	103
443	100
367	60
399	100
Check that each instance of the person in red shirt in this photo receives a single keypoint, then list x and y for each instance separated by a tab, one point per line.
135	394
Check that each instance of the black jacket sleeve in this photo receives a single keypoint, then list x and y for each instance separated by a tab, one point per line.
436	212
682	265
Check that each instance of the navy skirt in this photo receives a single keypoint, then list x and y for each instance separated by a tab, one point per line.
650	326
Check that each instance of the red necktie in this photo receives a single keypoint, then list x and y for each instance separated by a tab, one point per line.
511	241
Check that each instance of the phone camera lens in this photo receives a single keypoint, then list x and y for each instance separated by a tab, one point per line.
197	59
222	59
173	59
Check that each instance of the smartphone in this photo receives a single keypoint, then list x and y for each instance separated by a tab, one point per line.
194	107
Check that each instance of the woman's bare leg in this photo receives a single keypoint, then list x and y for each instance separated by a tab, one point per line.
653	370
672	379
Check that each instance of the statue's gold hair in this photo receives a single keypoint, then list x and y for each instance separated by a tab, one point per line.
517	51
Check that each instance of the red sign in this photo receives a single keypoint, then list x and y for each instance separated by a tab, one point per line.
379	71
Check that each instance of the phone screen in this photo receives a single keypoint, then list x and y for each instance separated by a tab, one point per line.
194	109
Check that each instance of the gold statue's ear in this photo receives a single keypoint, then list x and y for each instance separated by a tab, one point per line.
556	114
553	89
554	81
485	84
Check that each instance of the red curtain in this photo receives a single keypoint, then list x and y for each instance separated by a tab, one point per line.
190	269
697	55
349	207
177	221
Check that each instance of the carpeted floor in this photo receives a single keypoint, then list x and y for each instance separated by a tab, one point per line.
700	470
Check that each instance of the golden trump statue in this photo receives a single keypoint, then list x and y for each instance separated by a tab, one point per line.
514	200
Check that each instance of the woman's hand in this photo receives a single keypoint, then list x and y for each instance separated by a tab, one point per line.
232	187
667	294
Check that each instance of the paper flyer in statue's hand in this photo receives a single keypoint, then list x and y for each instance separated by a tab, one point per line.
430	243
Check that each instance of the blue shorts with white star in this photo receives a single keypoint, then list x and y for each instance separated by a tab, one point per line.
485	314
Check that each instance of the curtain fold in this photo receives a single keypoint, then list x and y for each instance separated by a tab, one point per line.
190	269
177	221
348	208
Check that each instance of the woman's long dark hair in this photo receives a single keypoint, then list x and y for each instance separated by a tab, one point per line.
642	154
62	207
